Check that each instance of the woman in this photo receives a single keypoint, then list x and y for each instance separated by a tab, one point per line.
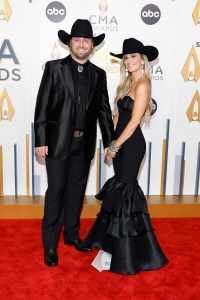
123	227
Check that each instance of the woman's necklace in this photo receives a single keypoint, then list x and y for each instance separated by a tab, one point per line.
134	81
126	90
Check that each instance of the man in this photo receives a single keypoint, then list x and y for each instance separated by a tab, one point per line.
72	97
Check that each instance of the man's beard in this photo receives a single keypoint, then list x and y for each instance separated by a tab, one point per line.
81	56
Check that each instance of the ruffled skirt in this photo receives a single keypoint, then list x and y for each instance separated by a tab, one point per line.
123	228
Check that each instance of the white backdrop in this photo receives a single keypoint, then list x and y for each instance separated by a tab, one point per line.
28	38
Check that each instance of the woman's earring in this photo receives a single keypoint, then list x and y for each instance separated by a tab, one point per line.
142	68
126	73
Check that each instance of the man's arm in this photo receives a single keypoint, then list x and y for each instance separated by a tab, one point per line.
105	117
41	112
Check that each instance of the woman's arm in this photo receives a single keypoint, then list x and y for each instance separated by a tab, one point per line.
115	120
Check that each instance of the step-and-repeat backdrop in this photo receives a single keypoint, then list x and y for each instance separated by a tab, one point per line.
28	38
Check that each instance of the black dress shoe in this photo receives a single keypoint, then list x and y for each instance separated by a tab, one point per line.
50	257
78	245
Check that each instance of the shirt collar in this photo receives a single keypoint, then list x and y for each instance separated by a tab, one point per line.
76	64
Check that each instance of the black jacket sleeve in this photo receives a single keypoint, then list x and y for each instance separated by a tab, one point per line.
41	109
105	116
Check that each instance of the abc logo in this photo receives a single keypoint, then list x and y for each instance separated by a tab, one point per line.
56	12
150	14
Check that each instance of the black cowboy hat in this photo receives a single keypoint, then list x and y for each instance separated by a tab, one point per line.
134	46
81	28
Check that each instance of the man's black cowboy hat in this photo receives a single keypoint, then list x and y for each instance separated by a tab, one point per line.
80	28
134	46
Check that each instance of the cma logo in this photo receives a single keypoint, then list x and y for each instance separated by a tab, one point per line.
196	13
150	14
103	6
6	11
7	52
191	68
6	108
56	12
103	21
193	112
55	54
102	59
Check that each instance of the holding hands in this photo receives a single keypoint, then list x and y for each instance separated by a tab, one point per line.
112	150
110	154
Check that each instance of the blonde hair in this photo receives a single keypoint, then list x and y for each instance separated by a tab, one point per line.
125	82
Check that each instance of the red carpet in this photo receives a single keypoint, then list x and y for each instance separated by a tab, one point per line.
23	274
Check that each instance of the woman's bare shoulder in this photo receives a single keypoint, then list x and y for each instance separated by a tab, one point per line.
144	81
143	85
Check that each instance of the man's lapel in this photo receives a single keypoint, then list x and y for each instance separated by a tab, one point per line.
67	75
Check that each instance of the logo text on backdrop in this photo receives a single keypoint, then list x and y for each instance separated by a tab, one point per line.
7	53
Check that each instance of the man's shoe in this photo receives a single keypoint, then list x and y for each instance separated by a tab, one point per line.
50	257
78	245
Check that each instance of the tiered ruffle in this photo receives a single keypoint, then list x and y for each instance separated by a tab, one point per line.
123	228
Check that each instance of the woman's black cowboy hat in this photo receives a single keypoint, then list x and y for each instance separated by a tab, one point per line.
134	46
80	28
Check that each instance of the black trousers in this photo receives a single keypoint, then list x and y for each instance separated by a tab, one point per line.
67	181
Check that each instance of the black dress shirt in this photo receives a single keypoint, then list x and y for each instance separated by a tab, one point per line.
81	92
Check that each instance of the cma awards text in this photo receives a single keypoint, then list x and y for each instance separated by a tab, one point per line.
7	53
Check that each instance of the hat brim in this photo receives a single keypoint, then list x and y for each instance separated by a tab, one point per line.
117	55
150	51
65	37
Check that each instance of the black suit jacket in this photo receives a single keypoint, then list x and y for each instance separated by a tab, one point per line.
55	110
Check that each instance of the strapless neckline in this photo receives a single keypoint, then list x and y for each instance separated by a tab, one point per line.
127	96
125	104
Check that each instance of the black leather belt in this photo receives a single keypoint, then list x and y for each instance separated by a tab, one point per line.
78	133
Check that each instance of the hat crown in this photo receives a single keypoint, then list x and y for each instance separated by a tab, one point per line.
82	28
132	46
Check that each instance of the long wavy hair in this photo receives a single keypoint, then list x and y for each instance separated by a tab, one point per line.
125	82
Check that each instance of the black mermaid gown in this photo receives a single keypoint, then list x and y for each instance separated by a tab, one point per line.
123	227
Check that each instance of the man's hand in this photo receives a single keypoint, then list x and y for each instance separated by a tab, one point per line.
109	153
105	151
41	151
